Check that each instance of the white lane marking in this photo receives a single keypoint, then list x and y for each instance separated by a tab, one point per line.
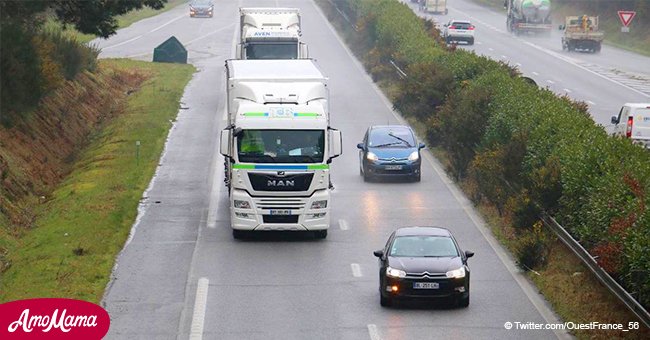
122	43
373	332
356	270
343	225
567	91
518	64
591	103
168	22
490	48
215	192
504	56
198	317
479	43
209	34
529	290
550	81
535	73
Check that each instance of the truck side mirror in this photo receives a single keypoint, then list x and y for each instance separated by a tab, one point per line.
421	146
336	148
238	51
304	51
224	147
614	119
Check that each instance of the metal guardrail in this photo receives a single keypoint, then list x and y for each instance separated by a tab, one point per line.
625	297
400	73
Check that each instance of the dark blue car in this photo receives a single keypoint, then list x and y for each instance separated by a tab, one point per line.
390	151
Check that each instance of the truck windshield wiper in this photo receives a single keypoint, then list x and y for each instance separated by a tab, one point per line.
402	139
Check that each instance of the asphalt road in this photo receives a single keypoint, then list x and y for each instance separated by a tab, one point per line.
182	275
603	80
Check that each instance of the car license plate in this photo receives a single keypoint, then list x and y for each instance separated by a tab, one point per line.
393	167
426	285
280	212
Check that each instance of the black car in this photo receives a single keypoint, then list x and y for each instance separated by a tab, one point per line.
423	263
390	150
203	8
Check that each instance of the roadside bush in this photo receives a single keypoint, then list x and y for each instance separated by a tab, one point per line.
532	250
425	88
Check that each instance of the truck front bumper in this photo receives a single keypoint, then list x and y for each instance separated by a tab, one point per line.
270	213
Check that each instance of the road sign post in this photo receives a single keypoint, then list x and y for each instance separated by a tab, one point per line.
626	18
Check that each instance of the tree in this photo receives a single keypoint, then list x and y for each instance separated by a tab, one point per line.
88	16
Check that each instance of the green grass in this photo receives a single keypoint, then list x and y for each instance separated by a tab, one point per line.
123	21
71	251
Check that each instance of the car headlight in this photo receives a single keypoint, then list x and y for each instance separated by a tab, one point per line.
457	273
242	204
319	204
414	156
372	157
392	272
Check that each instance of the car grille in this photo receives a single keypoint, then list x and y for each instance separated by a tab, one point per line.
393	159
426	275
280	218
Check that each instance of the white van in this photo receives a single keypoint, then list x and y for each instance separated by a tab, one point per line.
633	121
434	6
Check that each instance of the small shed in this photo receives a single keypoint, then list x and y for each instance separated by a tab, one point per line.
170	51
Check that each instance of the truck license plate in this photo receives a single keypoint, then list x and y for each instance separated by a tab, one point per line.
280	212
393	167
426	285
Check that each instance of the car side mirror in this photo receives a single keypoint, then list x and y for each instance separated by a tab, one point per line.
421	146
378	253
614	119
468	253
360	146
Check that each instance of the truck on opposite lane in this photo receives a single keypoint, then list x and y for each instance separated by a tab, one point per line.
278	146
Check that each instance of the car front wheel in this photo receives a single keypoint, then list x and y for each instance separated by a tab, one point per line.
464	302
385	301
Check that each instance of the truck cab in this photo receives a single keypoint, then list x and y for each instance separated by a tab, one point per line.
270	33
278	146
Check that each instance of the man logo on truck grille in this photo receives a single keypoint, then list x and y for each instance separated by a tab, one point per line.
280	183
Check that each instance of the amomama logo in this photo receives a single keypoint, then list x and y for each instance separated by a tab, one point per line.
52	318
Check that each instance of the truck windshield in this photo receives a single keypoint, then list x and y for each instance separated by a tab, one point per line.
274	50
281	146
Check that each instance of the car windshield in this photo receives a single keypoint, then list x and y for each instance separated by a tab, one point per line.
281	146
201	2
461	25
423	246
259	50
399	137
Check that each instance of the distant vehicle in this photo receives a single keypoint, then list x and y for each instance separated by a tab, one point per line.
433	6
201	8
270	33
581	33
423	263
390	151
633	121
528	16
459	30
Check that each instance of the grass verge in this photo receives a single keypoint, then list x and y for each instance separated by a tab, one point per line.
81	229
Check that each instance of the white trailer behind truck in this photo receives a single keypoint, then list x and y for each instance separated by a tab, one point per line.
278	146
270	33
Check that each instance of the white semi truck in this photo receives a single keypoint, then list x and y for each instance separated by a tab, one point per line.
278	146
270	33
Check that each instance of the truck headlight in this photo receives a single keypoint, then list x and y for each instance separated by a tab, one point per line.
414	156
392	272
242	204
457	273
319	204
372	157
